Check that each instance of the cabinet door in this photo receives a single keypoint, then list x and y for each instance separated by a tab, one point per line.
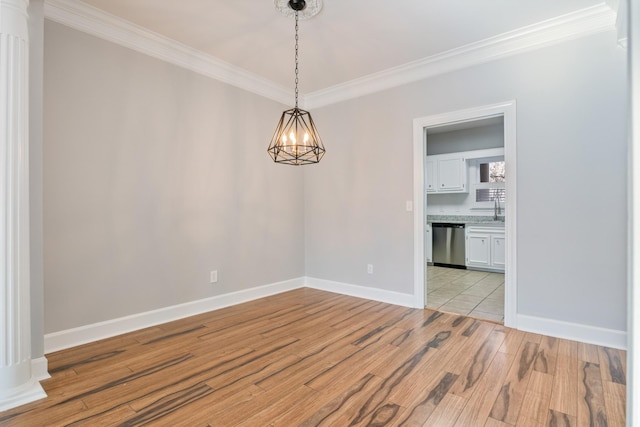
497	252
451	174
429	242
430	176
478	249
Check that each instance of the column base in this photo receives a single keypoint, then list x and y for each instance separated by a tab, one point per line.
24	394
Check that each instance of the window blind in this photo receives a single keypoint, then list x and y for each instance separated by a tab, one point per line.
490	194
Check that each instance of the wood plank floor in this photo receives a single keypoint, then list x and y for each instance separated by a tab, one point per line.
313	358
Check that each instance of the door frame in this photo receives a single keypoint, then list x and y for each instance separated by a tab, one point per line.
507	110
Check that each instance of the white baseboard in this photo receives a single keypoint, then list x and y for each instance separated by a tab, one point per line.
73	337
89	333
39	369
22	395
573	331
375	294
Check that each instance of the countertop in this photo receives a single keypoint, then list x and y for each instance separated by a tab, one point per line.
466	219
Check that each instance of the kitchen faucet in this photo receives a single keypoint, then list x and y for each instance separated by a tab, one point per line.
496	208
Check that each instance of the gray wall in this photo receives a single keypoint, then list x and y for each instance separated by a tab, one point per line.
571	178
478	138
153	176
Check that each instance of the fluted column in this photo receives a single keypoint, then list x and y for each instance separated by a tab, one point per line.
16	383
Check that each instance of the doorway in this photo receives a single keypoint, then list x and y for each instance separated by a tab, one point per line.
505	112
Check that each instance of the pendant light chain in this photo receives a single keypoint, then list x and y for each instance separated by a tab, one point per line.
296	59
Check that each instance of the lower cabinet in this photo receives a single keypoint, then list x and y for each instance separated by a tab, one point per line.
498	251
428	238
478	249
485	247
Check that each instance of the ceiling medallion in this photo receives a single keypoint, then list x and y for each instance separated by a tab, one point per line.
313	7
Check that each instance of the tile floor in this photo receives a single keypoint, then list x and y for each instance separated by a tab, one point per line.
475	293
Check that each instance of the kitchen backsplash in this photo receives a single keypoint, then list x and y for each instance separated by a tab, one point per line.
465	219
453	204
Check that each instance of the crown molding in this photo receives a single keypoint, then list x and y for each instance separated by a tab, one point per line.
577	24
622	23
91	20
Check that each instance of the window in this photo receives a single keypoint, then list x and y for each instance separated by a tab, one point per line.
492	172
489	182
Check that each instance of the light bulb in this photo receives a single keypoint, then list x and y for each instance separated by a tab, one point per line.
284	139
292	137
306	137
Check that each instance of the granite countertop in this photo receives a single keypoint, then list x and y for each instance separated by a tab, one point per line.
465	219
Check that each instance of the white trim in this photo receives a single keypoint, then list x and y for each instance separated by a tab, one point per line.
508	111
511	217
419	210
40	369
90	333
375	294
27	393
633	243
91	20
77	336
573	331
573	25
73	337
94	21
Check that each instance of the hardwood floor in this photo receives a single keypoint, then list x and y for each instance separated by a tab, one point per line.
313	358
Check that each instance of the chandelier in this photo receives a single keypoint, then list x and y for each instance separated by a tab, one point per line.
296	140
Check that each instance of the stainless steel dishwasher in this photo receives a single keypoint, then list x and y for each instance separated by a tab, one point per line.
448	245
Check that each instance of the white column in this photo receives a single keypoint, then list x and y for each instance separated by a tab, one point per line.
16	383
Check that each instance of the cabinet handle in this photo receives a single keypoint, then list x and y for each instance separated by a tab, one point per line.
442	185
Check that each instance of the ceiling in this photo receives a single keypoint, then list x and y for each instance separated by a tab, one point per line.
347	40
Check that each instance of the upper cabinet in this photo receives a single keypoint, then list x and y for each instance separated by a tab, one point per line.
446	173
430	175
452	175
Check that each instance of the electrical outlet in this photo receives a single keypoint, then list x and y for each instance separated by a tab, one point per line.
370	268
213	276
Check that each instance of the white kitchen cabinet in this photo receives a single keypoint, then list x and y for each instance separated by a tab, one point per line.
428	237
497	251
478	250
452	175
485	247
430	176
446	173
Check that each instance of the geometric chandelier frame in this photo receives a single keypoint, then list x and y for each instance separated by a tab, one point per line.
296	140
